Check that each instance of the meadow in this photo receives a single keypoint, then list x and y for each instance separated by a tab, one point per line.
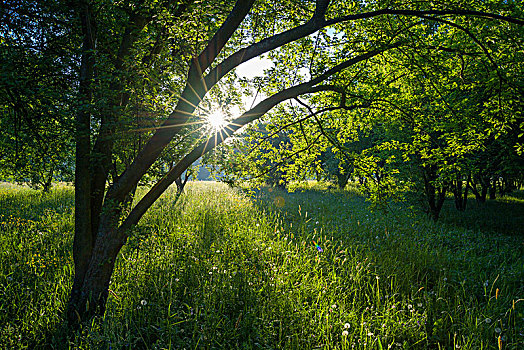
313	269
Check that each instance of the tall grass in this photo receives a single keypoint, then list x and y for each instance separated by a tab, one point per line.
226	269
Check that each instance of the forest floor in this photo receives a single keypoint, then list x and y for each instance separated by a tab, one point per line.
315	268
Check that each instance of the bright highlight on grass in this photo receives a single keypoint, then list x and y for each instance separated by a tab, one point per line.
217	120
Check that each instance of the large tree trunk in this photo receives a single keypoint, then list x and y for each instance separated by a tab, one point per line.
83	239
92	296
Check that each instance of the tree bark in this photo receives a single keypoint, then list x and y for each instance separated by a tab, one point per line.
493	188
461	198
435	196
84	238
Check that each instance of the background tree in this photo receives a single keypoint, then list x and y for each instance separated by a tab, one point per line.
36	86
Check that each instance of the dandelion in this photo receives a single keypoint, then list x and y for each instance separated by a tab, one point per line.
498	330
347	325
497	293
345	333
500	342
487	320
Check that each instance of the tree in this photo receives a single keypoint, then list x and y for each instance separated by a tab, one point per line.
36	84
101	226
137	59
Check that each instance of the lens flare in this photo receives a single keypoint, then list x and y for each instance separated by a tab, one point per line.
217	120
318	247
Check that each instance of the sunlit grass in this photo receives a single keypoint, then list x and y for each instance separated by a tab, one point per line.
223	269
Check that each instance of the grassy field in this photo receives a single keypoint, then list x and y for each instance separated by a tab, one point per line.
225	269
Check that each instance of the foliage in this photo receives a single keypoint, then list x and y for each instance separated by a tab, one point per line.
37	74
448	102
140	77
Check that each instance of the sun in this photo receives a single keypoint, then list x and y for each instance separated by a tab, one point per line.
217	120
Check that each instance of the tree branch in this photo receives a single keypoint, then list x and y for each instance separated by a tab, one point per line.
246	118
423	13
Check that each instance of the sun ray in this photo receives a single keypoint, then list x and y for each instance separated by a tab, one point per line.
205	146
165	127
196	94
188	102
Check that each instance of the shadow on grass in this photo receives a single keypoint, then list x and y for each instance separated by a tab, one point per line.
504	215
212	276
34	205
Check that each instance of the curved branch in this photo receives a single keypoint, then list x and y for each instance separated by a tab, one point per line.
256	112
217	42
416	13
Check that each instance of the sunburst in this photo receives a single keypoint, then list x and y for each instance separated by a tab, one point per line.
217	120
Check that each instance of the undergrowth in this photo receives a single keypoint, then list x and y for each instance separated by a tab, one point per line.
268	270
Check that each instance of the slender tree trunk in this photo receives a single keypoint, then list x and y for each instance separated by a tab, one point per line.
493	188
484	184
473	182
342	180
435	196
461	198
466	192
83	239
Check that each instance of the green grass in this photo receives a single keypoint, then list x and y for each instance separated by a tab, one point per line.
226	269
